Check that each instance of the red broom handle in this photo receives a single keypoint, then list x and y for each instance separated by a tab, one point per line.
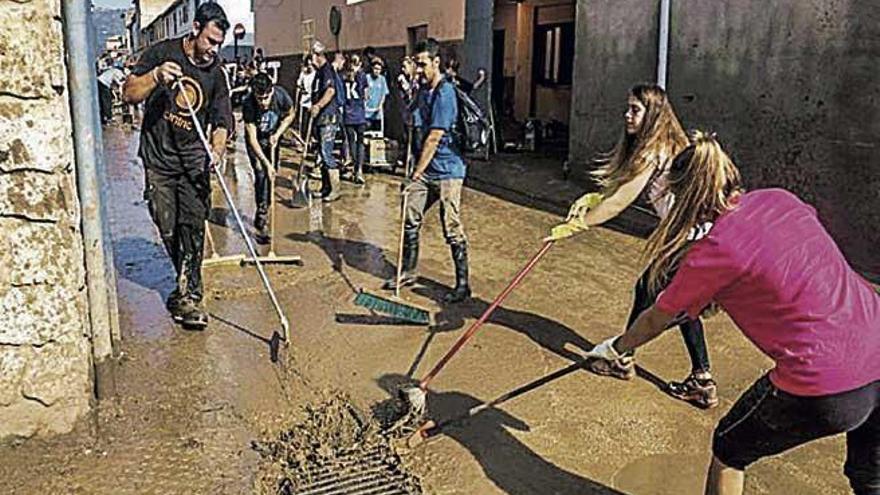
486	314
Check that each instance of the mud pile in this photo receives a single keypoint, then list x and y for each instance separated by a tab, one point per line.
333	436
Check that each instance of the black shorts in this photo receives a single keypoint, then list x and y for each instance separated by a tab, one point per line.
766	421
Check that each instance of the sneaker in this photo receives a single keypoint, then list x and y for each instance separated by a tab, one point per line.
702	393
622	369
359	179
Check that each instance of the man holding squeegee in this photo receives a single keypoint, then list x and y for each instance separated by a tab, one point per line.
268	112
177	166
439	173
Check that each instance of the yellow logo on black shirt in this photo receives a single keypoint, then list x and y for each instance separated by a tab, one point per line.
189	91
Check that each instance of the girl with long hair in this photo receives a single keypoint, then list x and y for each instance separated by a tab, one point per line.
771	265
638	166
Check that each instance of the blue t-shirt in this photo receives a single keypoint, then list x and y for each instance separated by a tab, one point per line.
378	90
439	110
355	105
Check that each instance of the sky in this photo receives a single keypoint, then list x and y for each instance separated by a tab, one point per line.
112	4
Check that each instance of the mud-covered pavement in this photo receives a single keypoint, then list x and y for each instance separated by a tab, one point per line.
189	405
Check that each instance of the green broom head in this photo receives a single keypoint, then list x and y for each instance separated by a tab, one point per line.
393	308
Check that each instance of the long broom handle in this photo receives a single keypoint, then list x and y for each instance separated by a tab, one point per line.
247	239
477	324
430	429
400	244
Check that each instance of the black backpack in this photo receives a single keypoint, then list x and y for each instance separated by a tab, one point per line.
472	129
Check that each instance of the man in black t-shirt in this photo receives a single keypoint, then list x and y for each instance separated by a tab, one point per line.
170	76
268	112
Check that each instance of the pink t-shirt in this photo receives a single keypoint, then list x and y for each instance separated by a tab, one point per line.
778	274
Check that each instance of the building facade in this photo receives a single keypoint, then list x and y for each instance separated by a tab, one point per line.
509	40
175	19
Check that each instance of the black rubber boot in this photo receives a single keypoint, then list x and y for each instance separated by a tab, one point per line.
192	315
408	274
462	290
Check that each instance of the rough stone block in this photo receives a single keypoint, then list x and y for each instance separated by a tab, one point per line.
35	42
35	135
57	371
37	314
35	195
12	364
43	253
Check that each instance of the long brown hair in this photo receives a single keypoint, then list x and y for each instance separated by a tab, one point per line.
704	181
660	134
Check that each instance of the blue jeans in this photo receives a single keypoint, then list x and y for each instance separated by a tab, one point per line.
327	127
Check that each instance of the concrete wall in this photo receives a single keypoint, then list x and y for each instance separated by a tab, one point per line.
45	364
379	23
792	88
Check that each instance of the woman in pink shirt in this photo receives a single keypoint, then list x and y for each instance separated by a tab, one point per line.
771	265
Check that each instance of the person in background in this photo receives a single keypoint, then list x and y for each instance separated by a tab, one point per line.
376	95
304	83
325	113
338	64
355	118
453	75
408	88
110	82
767	261
267	113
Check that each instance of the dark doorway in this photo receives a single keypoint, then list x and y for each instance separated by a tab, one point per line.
498	71
414	35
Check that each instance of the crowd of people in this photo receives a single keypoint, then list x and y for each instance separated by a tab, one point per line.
762	256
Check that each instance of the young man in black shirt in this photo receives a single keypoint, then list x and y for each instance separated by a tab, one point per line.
325	115
267	112
169	75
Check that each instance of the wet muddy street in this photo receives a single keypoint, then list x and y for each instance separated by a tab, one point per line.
189	406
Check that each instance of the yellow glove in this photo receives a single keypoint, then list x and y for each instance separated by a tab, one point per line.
583	204
574	223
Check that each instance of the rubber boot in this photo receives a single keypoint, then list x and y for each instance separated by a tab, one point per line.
462	290
189	311
333	194
410	259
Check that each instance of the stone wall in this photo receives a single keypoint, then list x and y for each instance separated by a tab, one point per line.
791	87
45	363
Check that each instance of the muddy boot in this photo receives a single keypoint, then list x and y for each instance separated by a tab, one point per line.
174	305
260	219
333	179
192	315
462	290
410	259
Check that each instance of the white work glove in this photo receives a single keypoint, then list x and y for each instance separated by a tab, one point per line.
605	350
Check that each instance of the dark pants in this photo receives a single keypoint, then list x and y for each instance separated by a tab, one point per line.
105	102
261	178
766	421
691	330
179	205
306	122
355	133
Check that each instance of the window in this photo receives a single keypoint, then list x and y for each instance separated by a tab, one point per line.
414	35
554	54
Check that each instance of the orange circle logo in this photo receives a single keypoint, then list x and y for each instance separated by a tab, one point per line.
189	93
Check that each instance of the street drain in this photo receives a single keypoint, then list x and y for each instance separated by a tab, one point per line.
371	473
334	450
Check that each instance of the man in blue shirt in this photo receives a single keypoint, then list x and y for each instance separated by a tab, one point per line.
439	173
325	114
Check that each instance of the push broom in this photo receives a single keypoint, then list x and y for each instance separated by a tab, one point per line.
395	307
416	396
285	325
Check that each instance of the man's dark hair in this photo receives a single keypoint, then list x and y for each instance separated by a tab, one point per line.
212	12
429	45
261	84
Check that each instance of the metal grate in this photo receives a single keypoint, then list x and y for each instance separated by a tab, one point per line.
375	473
